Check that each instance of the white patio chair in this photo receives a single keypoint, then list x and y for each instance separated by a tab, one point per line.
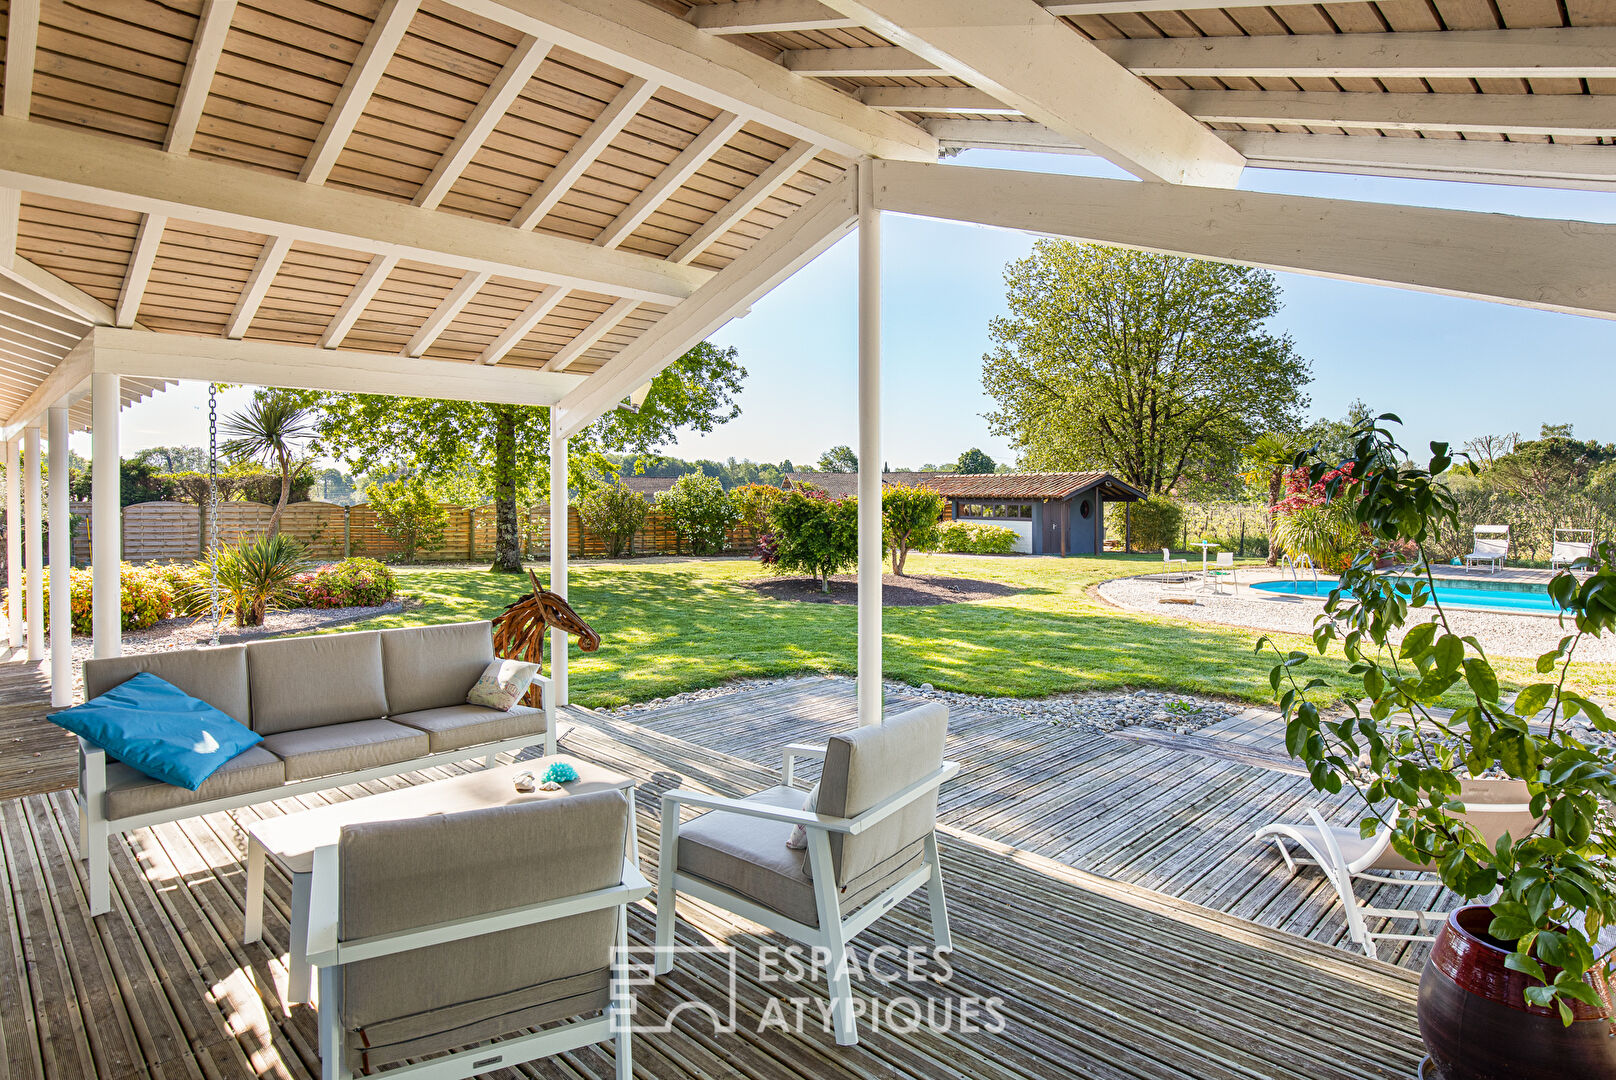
1178	580
434	933
1571	545
1491	546
1225	570
871	843
1492	808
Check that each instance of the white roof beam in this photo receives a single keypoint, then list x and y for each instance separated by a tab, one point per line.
507	85
51	289
521	326
1579	52
787	248
671	179
257	287
1001	135
879	61
22	47
141	260
1512	114
23	308
94	168
1130	7
935	99
1567	266
767	17
1476	161
596	137
206	48
66	379
750	198
604	323
391	24
1027	58
354	306
447	310
636	37
50	330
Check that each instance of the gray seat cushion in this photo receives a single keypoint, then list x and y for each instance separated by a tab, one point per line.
342	748
399	875
433	667
310	682
454	727
217	676
131	792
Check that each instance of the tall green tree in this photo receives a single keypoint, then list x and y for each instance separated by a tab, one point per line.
974	463
502	451
838	459
1147	365
272	428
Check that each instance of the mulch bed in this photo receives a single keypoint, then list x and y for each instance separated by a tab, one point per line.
914	590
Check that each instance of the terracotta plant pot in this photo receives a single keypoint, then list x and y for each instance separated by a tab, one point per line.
1477	1025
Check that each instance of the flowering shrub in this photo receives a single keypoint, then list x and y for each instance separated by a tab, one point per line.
969	538
1310	521
356	582
145	597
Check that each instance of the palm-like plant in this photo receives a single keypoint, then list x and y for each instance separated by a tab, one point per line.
269	430
256	575
1265	462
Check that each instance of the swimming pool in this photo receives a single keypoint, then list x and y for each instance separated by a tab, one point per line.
1517	598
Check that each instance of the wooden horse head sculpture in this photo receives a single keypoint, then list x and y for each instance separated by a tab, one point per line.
519	629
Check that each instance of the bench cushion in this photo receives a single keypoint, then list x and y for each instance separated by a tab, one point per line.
431	667
309	682
131	792
455	727
344	748
216	675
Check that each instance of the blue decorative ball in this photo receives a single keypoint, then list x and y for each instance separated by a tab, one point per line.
560	773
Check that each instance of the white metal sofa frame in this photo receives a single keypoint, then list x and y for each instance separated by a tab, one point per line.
328	953
1490	544
96	829
833	932
1326	854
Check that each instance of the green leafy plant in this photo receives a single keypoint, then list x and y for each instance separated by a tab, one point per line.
1556	888
270	429
700	511
1155	522
145	597
753	502
812	533
971	538
353	582
1317	518
257	575
614	512
909	517
407	514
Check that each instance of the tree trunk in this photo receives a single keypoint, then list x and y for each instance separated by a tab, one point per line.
507	529
286	496
900	552
1276	488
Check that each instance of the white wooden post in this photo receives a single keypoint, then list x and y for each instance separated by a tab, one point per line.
14	529
61	560
106	539
870	553
558	551
34	539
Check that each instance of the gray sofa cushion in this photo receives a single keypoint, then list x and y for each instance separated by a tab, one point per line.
457	726
131	792
342	748
398	875
309	682
217	676
432	667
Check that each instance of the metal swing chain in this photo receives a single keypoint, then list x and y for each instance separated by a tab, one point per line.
213	503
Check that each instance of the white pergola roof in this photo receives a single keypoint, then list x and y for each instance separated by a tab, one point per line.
546	201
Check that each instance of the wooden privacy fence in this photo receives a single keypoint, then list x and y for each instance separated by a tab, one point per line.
170	530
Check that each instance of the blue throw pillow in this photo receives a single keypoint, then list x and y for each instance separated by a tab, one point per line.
156	727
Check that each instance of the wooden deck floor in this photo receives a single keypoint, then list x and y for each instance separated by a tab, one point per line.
35	756
1099	978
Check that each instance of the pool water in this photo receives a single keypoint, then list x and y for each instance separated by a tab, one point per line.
1521	598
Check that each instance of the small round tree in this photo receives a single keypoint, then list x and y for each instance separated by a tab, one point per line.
700	512
407	514
614	512
974	462
909	517
813	533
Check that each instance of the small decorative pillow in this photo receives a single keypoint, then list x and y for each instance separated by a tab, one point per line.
799	835
154	726
502	684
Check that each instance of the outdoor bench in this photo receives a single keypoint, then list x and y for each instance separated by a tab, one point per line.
333	710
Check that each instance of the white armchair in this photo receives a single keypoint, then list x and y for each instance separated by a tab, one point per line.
870	844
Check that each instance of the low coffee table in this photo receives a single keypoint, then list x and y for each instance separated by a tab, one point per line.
292	839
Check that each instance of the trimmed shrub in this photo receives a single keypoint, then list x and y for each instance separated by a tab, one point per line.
970	538
909	517
146	597
614	512
812	533
1157	522
700	512
354	582
753	502
407	514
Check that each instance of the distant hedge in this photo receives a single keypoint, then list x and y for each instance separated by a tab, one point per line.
969	538
1157	522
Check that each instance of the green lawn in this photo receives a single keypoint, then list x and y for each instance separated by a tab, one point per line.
668	627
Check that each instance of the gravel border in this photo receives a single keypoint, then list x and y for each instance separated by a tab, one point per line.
188	633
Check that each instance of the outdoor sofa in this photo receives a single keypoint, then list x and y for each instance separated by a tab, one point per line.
333	709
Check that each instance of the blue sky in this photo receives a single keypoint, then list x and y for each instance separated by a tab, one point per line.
1451	368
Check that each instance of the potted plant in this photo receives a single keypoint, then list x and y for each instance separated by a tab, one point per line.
1518	986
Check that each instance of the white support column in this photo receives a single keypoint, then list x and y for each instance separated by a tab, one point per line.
61	560
14	529
34	539
558	550
106	533
870	553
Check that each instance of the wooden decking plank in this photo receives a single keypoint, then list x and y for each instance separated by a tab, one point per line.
18	1030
